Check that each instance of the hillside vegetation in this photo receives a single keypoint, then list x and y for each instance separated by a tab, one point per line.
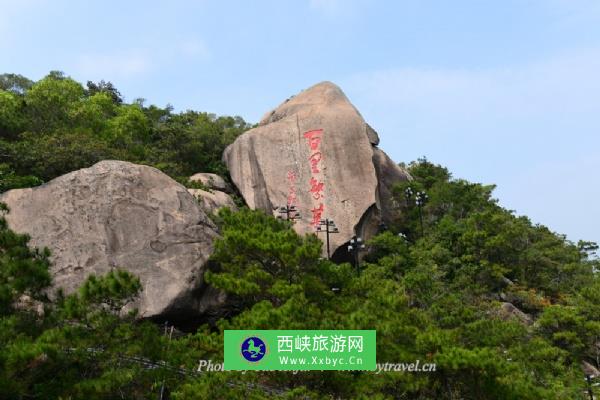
433	284
57	125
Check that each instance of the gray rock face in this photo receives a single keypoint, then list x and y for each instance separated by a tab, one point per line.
589	369
508	311
316	152
372	135
211	181
212	201
388	174
118	214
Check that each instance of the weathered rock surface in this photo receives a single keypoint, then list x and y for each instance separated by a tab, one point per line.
589	369
315	151
212	201
372	135
211	181
118	214
509	311
388	174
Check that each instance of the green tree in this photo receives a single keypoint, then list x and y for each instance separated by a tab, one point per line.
105	88
9	180
15	83
12	120
50	101
50	155
23	272
261	258
93	113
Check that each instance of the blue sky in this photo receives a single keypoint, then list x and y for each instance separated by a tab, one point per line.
504	92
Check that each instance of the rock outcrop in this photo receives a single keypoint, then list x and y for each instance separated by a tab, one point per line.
589	370
118	214
212	201
509	311
216	195
211	181
388	174
316	152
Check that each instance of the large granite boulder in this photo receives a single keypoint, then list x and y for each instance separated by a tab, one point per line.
316	152
118	214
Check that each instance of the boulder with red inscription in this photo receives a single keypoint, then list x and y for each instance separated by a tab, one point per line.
316	152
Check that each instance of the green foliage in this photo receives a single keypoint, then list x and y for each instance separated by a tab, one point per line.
79	346
12	120
50	155
93	113
262	258
54	126
476	240
15	83
23	272
433	297
50	101
189	142
106	88
112	291
10	180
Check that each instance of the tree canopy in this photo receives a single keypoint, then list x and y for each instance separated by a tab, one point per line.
56	125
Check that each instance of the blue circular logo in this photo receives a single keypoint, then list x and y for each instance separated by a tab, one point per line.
253	349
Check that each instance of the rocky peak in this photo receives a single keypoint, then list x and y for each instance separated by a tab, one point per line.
316	152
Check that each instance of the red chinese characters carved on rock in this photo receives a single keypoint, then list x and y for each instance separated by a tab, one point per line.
314	159
317	213
314	138
317	186
292	199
